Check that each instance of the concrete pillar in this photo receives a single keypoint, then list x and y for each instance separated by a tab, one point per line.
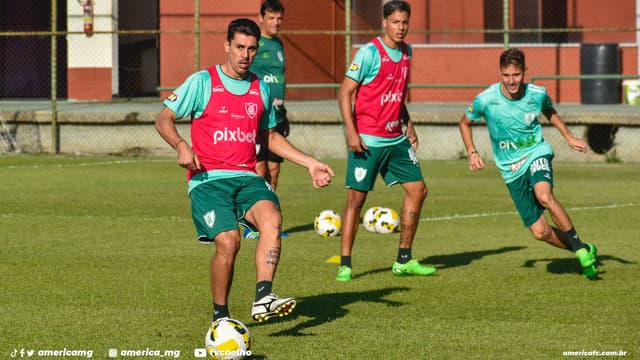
92	72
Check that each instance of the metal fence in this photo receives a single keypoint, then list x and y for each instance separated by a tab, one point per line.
38	43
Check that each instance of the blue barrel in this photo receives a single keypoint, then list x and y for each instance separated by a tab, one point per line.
599	59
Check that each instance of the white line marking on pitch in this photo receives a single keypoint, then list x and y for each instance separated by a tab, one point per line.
501	213
97	163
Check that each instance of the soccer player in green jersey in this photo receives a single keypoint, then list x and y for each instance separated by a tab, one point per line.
510	109
270	65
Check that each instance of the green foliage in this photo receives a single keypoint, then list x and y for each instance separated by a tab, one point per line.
100	252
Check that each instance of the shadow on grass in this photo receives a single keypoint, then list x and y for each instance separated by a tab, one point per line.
299	228
453	260
572	266
325	308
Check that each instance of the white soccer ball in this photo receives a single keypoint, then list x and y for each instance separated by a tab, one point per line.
228	339
327	223
386	221
369	220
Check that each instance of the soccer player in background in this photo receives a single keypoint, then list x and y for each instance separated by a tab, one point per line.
378	78
230	107
270	66
510	109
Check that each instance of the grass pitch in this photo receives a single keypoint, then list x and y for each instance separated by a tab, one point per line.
99	253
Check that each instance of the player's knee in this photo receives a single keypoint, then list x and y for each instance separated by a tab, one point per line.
419	194
546	199
228	243
355	200
542	233
424	193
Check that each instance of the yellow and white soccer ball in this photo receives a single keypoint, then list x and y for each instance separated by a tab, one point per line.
228	339
386	221
327	223
369	220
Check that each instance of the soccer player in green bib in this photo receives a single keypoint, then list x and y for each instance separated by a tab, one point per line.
377	141
230	108
510	109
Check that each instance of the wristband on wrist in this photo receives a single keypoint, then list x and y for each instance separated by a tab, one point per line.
473	152
175	146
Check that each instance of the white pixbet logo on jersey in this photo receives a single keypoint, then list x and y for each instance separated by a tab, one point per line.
277	102
236	135
270	78
506	145
391	97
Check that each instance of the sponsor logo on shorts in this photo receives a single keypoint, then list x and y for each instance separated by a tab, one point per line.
413	156
541	164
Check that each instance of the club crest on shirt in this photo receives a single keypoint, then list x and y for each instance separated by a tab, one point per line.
251	109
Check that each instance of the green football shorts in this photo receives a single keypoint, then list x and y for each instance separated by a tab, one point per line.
521	190
220	205
396	164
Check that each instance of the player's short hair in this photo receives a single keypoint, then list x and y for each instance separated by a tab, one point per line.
512	56
395	5
243	26
271	6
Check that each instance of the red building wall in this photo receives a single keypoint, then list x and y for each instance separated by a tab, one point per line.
441	56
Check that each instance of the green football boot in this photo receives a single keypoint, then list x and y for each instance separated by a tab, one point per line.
344	274
587	260
413	267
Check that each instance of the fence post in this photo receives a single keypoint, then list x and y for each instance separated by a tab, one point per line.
347	28
505	23
55	139
197	36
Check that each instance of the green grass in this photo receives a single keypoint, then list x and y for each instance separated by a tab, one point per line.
100	252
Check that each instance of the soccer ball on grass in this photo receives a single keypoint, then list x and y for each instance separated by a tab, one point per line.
369	220
228	339
381	220
386	221
327	223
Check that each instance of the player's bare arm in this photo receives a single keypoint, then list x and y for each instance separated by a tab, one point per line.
166	127
345	96
556	121
475	160
320	172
